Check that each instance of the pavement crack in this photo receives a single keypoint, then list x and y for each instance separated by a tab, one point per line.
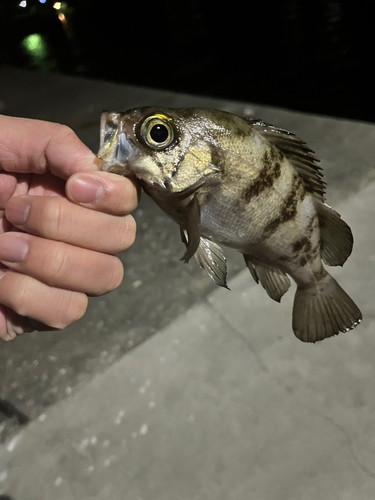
11	419
8	410
293	393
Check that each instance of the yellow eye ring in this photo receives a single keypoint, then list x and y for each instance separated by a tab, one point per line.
157	131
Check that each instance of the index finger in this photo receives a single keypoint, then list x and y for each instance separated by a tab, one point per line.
35	146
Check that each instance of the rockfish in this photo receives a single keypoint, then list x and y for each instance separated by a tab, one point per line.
244	184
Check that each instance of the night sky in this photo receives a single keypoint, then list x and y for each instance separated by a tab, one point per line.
310	56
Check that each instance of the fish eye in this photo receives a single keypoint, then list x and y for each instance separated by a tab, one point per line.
157	131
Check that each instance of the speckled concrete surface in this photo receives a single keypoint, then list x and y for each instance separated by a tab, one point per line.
224	402
41	369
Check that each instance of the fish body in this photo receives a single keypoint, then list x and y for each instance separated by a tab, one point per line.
244	184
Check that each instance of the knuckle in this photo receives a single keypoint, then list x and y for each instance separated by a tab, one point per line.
127	233
63	132
113	276
9	160
51	217
8	185
14	292
77	308
73	310
118	274
55	264
22	300
58	216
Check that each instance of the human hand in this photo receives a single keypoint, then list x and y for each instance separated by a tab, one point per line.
61	221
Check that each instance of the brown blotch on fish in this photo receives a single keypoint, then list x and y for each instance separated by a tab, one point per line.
313	253
275	155
270	172
242	132
271	227
303	261
289	208
311	225
296	194
302	244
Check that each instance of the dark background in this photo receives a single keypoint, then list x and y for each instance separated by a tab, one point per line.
314	56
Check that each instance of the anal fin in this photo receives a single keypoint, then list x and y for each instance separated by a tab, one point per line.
274	281
336	236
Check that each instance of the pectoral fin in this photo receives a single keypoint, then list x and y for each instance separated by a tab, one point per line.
192	221
274	281
211	257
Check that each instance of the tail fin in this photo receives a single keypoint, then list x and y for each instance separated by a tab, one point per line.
323	310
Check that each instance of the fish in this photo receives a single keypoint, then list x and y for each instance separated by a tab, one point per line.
245	184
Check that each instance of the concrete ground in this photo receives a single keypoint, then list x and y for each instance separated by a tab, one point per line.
172	389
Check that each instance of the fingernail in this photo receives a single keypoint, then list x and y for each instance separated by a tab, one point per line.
17	210
13	248
10	336
85	189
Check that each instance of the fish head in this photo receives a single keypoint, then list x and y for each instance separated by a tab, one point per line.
167	149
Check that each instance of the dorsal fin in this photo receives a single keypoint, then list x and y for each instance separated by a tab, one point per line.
298	154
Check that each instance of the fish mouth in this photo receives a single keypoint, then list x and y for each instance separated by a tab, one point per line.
124	149
116	149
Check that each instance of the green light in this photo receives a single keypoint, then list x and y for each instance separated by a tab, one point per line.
35	45
37	49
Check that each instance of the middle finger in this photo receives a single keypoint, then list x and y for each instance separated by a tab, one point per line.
56	218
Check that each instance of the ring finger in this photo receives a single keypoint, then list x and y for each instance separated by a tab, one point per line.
59	264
